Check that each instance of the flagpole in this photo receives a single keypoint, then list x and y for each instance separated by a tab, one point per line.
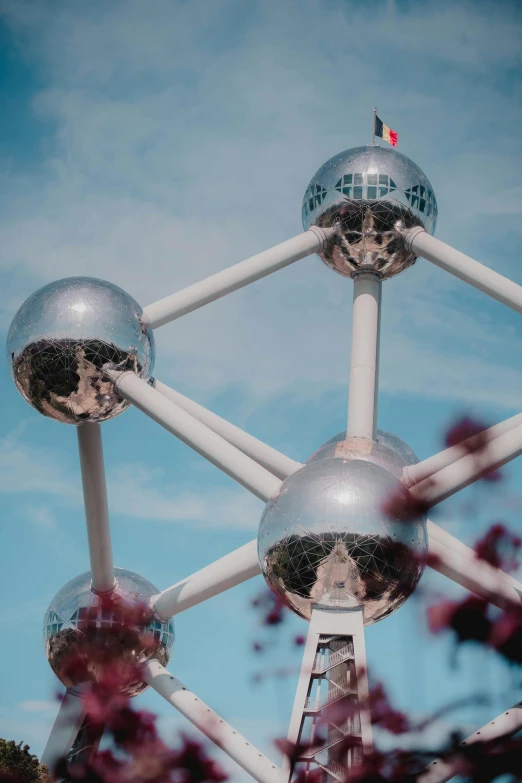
374	124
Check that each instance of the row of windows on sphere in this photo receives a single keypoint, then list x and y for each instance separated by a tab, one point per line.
105	618
377	185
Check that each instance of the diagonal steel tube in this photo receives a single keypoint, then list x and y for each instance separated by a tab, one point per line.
472	573
271	459
413	474
227	572
237	276
96	507
440	536
198	436
211	724
503	726
418	241
65	728
460	474
448	556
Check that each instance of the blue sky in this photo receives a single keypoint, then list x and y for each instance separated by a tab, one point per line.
153	144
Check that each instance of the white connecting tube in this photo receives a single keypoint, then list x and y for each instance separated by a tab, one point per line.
503	726
364	356
215	728
271	459
66	726
413	474
198	436
237	276
96	507
227	572
460	474
418	241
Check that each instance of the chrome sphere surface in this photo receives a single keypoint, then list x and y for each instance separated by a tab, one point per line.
370	194
387	450
62	336
324	541
79	625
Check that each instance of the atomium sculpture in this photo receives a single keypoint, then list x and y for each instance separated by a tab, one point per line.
82	350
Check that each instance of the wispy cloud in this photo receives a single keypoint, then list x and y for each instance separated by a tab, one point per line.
138	191
135	490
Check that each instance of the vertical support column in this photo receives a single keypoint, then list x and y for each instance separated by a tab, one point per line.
377	364
65	729
364	355
96	507
330	721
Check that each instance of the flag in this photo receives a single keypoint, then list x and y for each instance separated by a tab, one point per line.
385	133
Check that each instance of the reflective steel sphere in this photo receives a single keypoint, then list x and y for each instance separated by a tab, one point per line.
325	540
79	626
370	194
62	336
388	451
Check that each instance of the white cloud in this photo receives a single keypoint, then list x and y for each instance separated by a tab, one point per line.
135	491
178	152
138	492
42	515
39	706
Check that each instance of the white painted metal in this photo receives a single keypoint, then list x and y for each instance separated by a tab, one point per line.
412	474
348	627
474	574
197	435
364	355
418	241
505	725
65	728
451	557
377	365
441	536
271	459
237	276
466	470
96	508
215	728
229	571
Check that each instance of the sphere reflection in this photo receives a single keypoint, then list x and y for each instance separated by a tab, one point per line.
80	626
325	541
369	193
387	450
61	337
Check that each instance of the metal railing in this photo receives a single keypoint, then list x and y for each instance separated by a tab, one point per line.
322	664
343	688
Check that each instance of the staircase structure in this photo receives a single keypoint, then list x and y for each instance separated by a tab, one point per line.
330	729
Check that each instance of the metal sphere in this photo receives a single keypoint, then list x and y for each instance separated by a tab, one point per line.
62	336
324	541
76	624
387	450
369	193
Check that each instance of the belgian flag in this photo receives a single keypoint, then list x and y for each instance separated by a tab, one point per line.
385	133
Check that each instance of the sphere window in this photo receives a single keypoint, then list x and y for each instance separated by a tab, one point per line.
342	185
383	191
383	179
357	179
372	192
372	179
357	193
